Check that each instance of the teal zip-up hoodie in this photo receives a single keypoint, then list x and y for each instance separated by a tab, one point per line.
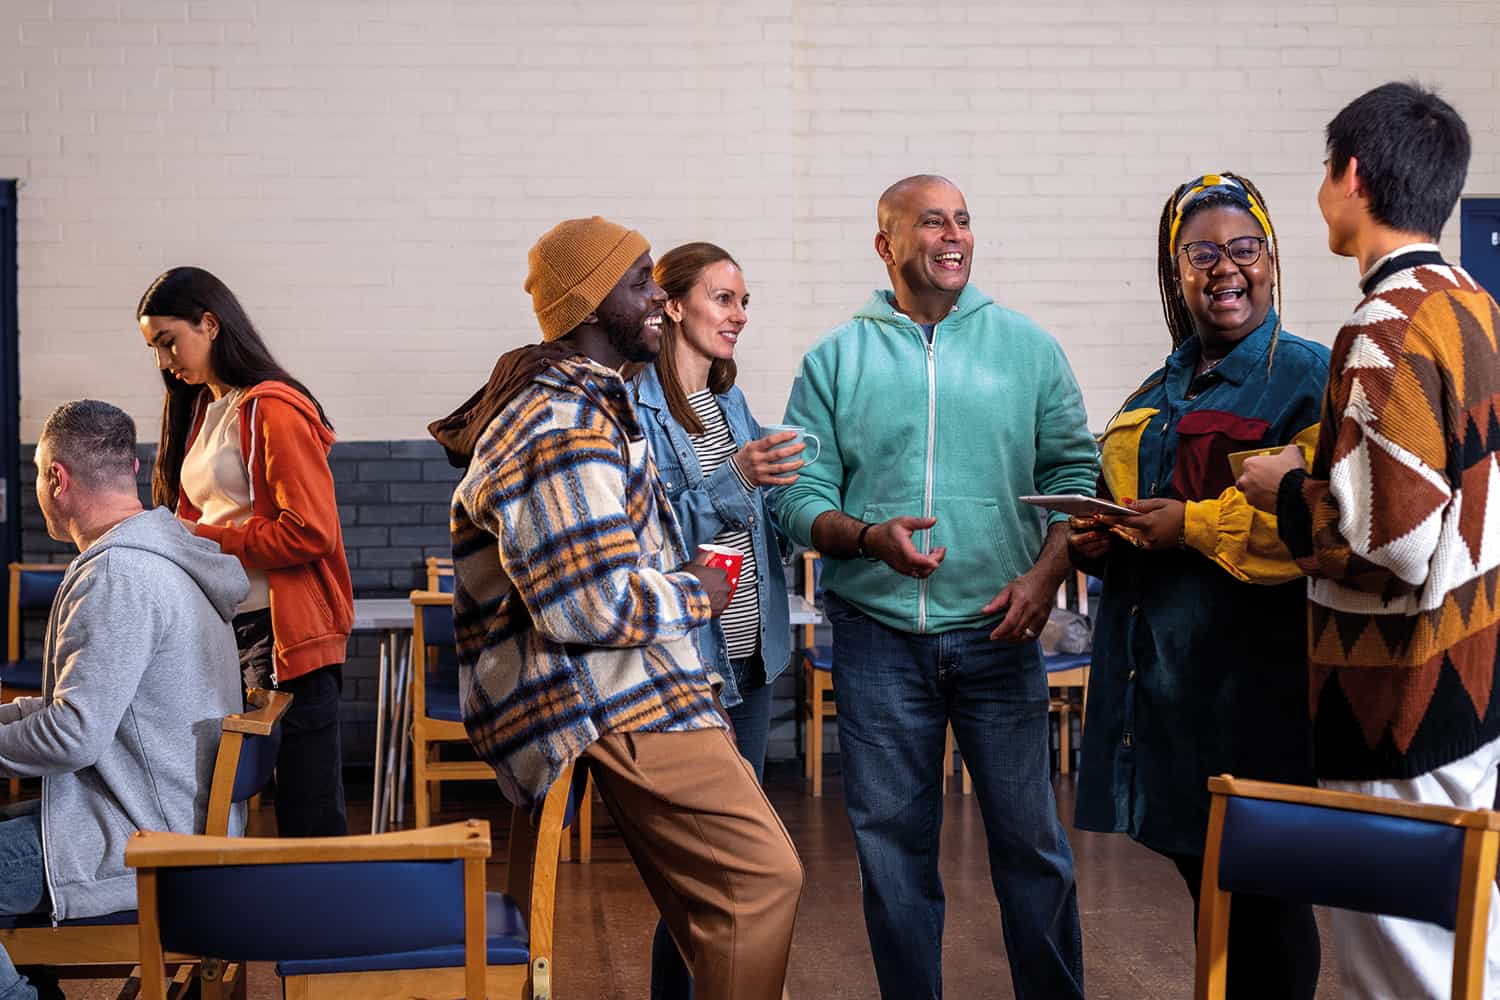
989	413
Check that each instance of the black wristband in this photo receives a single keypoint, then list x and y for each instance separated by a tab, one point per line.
859	545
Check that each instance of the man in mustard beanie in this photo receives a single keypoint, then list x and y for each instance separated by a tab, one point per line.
575	605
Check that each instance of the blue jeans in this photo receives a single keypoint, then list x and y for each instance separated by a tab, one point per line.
752	728
897	694
23	887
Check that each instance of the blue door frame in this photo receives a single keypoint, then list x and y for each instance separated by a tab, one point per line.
1479	220
10	390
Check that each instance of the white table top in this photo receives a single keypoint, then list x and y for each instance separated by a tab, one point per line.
387	614
382	613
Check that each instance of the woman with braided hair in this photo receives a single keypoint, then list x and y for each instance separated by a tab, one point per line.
1199	661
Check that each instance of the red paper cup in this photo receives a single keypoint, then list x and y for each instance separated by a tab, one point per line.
725	558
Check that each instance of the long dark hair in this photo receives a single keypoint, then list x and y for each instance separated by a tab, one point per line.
239	358
677	272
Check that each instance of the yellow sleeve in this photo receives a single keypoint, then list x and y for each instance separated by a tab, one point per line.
1242	540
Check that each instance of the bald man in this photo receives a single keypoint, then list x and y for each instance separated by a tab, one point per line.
936	409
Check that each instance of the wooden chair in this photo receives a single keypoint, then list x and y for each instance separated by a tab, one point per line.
108	946
963	769
817	677
32	588
436	715
419	924
584	822
1066	671
1354	852
440	574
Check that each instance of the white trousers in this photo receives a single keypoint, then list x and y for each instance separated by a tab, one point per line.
1389	958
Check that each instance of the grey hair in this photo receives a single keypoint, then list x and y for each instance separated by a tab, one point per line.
94	441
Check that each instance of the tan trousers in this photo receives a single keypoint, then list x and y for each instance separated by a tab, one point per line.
713	853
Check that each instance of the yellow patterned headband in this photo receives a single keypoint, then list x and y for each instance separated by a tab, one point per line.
1217	184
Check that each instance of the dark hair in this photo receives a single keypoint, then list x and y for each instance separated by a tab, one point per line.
95	441
239	358
1173	305
677	272
1413	152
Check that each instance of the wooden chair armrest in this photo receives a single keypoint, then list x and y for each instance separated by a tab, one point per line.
1479	819
153	849
429	598
270	706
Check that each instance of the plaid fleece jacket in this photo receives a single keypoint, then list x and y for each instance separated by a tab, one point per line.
566	604
1393	526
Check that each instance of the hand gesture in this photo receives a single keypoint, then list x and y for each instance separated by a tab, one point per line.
891	543
765	464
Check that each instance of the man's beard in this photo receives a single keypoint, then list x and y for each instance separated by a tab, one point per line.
630	342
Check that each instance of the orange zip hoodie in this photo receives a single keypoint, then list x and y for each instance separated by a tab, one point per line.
293	533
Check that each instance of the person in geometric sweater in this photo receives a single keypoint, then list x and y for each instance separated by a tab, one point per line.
1394	523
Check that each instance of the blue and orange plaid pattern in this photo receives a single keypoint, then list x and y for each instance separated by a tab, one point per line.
567	604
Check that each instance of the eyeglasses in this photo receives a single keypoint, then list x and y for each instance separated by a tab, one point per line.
1243	250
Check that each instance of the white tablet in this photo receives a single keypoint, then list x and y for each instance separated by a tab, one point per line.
1076	504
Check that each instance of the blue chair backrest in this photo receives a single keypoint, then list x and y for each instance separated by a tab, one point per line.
36	588
1342	858
445	583
276	912
257	763
437	625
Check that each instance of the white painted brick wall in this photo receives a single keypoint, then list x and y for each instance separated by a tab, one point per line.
368	175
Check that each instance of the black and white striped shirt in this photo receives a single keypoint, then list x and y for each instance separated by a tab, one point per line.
714	447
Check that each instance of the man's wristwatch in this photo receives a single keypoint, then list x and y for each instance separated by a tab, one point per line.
859	545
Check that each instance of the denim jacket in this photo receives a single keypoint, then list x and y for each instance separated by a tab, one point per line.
707	506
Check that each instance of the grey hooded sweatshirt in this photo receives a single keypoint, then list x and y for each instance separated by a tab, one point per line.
139	667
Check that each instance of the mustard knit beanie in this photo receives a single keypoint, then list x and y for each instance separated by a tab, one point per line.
573	267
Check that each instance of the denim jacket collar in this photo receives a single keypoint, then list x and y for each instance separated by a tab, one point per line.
1236	366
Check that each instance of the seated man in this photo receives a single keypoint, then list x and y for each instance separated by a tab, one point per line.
139	666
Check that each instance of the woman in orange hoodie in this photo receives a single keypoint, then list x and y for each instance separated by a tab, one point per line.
243	458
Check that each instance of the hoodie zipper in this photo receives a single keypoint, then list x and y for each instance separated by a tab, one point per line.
46	863
42	809
927	482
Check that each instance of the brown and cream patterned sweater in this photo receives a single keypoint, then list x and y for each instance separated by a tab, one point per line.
1393	526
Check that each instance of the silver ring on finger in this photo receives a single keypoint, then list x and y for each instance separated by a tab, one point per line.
1030	632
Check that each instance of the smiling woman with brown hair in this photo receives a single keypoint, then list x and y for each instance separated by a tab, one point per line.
722	472
1199	661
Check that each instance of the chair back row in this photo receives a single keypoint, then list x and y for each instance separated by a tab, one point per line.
32	588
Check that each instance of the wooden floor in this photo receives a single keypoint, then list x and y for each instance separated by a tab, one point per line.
1135	911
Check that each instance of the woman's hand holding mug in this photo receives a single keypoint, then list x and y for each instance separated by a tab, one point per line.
768	461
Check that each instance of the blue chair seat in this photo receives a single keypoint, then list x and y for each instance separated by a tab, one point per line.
508	945
45	920
442	700
22	674
1066	661
820	658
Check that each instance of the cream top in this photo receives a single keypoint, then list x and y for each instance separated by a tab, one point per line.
216	481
